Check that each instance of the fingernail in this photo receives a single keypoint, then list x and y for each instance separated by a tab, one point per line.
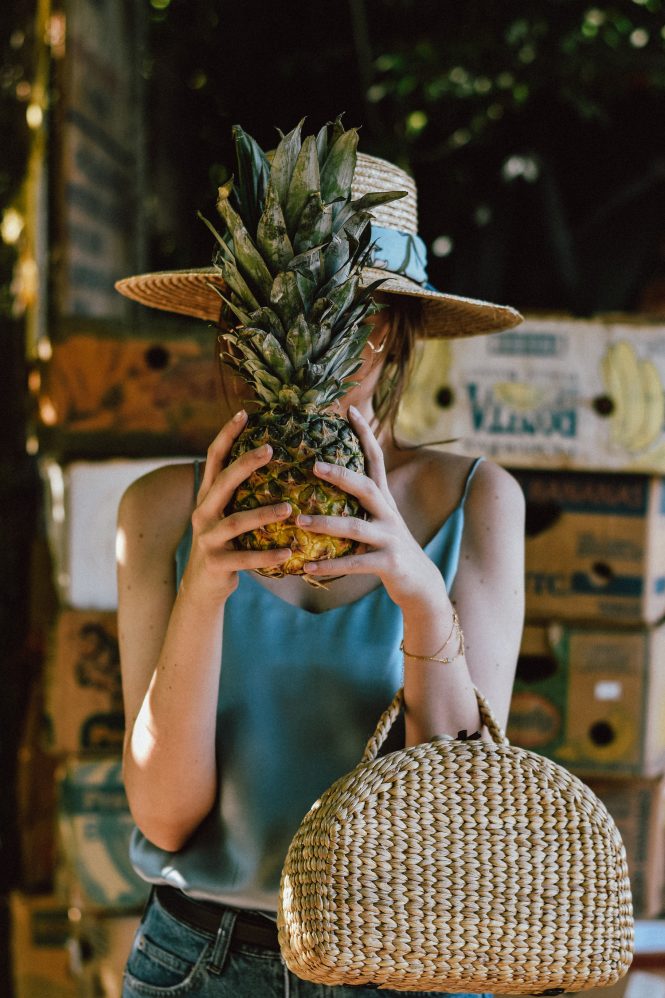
239	416
353	410
322	466
310	566
282	508
304	520
266	449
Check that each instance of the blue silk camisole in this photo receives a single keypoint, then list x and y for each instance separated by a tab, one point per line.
299	695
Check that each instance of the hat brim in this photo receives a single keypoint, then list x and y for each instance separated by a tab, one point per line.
446	316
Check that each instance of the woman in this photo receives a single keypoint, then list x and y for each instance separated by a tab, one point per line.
246	696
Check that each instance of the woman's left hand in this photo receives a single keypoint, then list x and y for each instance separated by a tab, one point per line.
388	549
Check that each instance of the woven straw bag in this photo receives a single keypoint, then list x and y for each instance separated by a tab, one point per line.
457	865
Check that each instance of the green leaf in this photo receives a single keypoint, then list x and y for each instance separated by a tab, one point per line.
272	352
337	173
284	161
265	318
271	235
315	225
322	144
253	173
304	181
237	284
299	342
285	298
307	289
238	312
248	258
311	264
365	203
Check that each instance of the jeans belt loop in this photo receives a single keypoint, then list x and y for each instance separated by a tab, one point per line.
220	949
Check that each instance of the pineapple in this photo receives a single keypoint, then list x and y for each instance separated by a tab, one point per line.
291	256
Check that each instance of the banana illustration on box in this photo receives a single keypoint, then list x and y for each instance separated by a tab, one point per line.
420	409
520	395
636	391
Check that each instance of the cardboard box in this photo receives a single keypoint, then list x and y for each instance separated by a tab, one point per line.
82	501
552	393
95	827
40	937
83	688
105	392
638	808
104	942
592	699
36	800
635	984
595	546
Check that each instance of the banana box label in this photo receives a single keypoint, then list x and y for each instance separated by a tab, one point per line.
595	546
553	393
95	827
83	688
592	699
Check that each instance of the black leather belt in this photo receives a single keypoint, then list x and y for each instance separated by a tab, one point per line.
250	927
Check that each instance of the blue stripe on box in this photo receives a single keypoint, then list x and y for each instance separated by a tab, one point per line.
618	585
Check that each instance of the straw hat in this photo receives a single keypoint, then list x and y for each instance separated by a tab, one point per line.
399	259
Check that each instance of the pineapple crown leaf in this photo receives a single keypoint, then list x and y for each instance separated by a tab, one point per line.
304	183
290	257
253	173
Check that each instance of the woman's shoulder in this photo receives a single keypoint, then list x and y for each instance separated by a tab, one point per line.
448	474
158	505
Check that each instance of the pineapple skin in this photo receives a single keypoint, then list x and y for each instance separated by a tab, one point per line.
298	439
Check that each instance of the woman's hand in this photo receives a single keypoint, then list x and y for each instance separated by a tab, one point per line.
388	549
214	563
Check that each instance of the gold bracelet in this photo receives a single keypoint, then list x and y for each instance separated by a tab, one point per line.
456	629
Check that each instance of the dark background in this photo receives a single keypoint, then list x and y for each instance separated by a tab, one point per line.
534	129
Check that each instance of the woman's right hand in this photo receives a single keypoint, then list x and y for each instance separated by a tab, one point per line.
214	562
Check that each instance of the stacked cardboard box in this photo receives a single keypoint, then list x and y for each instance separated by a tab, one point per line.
576	409
110	407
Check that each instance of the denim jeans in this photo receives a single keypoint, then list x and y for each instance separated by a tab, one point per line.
170	958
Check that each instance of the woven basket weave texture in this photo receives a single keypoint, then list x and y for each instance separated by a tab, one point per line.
459	866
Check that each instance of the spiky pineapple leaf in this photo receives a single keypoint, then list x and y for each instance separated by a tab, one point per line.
299	341
272	239
285	298
339	167
248	258
307	289
284	161
253	173
304	181
265	318
270	349
365	203
237	284
315	225
241	315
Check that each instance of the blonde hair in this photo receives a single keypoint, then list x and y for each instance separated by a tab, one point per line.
405	320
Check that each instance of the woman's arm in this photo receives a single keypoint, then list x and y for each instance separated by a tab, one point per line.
171	643
488	592
488	595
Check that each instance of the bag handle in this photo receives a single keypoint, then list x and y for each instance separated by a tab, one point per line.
391	713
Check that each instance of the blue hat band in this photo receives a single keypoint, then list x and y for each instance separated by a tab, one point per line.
401	253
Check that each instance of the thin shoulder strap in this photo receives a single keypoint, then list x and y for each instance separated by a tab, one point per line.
197	477
471	472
